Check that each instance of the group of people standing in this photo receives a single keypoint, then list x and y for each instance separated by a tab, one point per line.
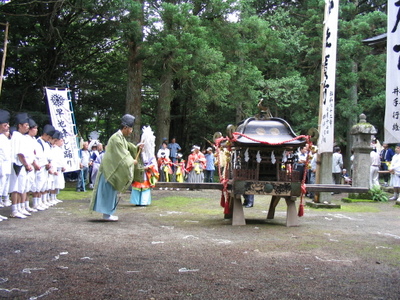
388	160
90	158
305	162
138	166
29	166
200	167
34	167
385	159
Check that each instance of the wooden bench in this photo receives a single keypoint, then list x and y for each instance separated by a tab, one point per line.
345	188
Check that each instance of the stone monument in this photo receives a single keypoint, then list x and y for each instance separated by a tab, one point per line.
362	133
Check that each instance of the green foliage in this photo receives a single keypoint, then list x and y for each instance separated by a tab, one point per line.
220	67
360	196
287	91
377	194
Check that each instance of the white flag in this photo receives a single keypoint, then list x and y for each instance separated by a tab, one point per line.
328	80
392	110
62	119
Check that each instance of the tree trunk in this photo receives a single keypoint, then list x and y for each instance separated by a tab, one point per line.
134	90
133	104
164	104
239	113
353	97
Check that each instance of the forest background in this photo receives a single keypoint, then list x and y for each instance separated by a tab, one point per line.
190	68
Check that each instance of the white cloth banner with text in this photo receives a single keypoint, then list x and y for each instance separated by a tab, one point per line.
392	110
328	80
62	119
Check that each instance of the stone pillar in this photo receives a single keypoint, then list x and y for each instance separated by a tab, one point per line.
324	176
362	133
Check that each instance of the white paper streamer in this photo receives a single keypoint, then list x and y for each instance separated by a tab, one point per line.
246	155
273	159
258	157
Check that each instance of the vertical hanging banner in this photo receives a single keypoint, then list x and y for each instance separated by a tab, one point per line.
328	77
62	119
392	109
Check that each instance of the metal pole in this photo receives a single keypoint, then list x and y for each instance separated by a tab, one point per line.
3	62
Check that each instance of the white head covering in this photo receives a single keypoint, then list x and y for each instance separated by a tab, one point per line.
148	139
93	143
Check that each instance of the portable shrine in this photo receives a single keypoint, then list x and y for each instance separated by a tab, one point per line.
261	154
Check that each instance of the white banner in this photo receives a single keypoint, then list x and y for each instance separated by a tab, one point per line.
328	80
62	119
392	111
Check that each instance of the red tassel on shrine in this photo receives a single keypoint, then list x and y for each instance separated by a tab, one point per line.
301	210
226	209
301	206
222	203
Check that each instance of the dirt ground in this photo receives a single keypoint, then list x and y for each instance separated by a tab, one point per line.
190	251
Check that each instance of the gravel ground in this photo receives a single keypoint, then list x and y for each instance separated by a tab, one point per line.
192	252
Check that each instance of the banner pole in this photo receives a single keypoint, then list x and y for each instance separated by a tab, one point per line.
3	61
71	106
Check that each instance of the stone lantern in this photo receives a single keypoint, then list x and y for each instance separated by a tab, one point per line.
362	133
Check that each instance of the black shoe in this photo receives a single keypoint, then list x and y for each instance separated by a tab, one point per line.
249	205
245	204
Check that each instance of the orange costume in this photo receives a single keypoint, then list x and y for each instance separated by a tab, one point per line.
164	165
195	165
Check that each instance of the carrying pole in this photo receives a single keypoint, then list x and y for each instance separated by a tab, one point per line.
3	62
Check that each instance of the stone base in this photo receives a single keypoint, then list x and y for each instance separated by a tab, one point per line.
322	205
388	189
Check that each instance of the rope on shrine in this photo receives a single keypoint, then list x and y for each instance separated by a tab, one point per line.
224	180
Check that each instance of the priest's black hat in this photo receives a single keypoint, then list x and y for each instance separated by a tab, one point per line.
21	118
128	120
32	123
4	116
49	129
57	135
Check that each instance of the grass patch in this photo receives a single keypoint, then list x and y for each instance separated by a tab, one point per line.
70	193
352	208
350	200
200	206
177	201
359	209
